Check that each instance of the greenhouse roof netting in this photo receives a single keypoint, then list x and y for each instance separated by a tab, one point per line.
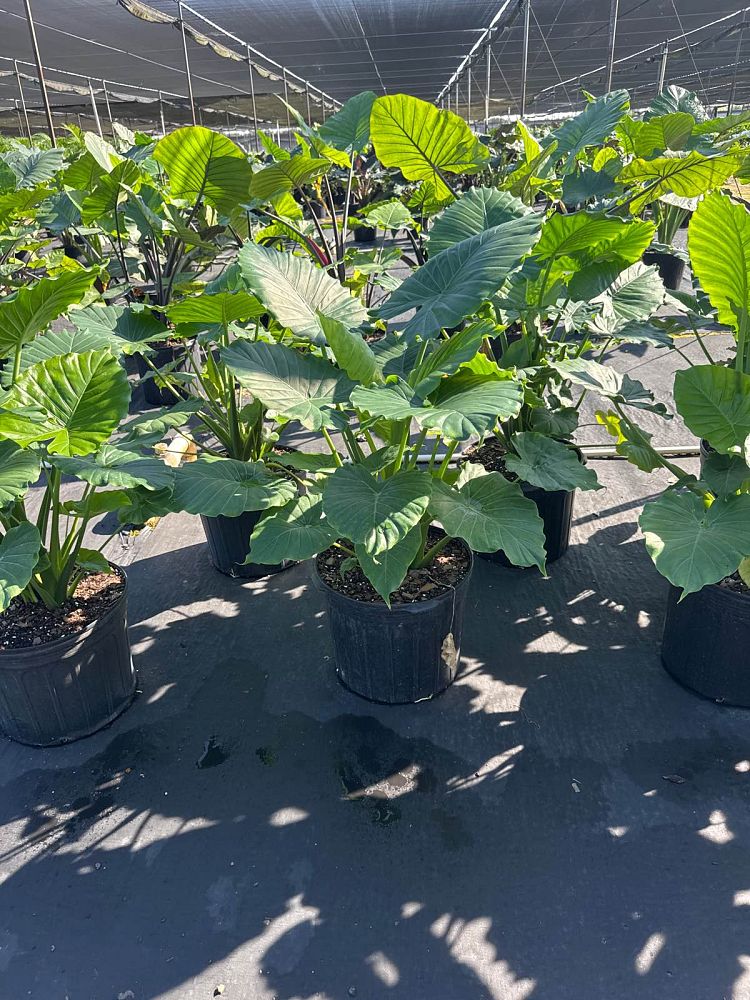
316	51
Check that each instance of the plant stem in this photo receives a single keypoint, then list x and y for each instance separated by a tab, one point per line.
430	554
332	446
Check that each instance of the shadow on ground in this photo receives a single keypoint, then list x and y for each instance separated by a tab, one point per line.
564	823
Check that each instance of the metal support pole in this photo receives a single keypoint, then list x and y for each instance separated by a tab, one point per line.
456	97
109	109
161	115
468	89
95	110
187	61
278	133
40	73
21	130
252	98
525	54
733	89
286	101
487	85
613	14
23	99
307	99
663	68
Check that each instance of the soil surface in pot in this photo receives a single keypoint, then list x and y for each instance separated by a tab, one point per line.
490	454
445	572
24	625
735	583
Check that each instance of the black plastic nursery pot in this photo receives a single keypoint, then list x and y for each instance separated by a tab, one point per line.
705	643
401	655
671	268
229	543
556	511
163	354
64	690
364	234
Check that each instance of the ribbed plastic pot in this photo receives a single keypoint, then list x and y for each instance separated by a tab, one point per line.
705	643
229	543
398	656
364	234
163	355
670	268
704	451
64	690
556	511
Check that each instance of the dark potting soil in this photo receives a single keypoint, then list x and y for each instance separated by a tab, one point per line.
24	625
445	572
735	583
491	455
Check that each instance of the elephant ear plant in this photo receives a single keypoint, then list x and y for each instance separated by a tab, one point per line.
390	521
698	531
65	666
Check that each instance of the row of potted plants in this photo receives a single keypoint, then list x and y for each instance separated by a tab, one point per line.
439	376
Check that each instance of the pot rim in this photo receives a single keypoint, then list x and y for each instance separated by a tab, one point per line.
406	608
530	486
70	641
716	589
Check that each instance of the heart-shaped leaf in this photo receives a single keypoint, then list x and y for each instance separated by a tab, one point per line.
205	164
225	487
693	545
297	531
714	402
549	464
387	570
474	212
32	308
492	514
377	513
18	468
19	552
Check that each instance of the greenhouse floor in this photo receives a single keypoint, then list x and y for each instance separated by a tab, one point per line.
564	823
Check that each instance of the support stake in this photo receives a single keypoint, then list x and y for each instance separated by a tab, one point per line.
161	115
487	85
525	54
613	14
663	68
40	73
23	99
733	89
187	61
252	99
95	110
109	109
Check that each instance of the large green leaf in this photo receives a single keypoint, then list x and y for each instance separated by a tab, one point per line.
635	294
19	552
349	128
110	190
296	531
490	514
223	486
73	402
549	464
115	466
474	212
34	166
714	402
56	342
127	329
664	132
295	291
352	353
454	283
719	243
577	232
693	545
294	385
687	176
222	307
286	175
32	308
444	357
19	467
592	125
725	474
374	512
608	383
205	164
389	215
387	570
467	404
424	142
676	99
